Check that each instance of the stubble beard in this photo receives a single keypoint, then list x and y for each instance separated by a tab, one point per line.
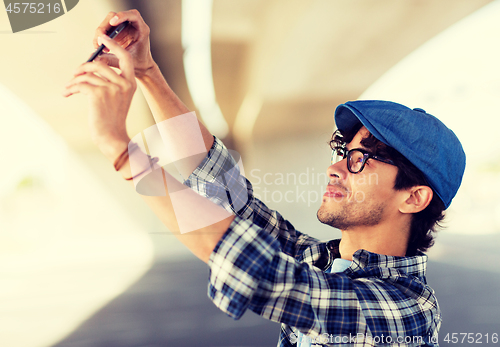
351	214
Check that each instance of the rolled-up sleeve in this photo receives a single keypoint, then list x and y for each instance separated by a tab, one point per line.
218	177
237	265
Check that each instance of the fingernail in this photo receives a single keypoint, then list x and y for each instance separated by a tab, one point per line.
113	20
99	41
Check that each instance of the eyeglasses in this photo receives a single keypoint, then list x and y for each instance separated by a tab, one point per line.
356	158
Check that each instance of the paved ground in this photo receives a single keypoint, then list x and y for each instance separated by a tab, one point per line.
469	302
169	307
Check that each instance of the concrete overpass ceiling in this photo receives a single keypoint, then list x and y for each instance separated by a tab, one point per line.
292	60
298	59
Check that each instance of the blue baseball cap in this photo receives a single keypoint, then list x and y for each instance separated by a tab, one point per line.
420	137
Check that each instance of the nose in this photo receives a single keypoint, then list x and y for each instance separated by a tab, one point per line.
337	171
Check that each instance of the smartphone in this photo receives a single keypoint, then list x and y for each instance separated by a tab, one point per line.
112	33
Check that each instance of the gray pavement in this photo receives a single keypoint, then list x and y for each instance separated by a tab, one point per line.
469	301
168	306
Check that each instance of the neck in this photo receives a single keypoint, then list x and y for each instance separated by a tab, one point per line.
381	238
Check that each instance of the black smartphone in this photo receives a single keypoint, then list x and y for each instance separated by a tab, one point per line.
112	34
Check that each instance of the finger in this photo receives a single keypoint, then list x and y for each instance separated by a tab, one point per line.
100	68
114	19
124	58
108	59
83	88
135	19
89	78
67	93
99	43
103	28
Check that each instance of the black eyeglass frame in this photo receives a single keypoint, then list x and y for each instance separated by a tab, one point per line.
366	155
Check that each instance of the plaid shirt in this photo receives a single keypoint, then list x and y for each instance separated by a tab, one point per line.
263	264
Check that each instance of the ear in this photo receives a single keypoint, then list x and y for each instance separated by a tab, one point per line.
417	199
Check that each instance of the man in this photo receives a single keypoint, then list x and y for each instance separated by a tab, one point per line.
396	171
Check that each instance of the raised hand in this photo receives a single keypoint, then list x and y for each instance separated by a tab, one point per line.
134	39
110	95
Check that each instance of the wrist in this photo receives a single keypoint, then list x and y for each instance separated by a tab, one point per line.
113	147
147	71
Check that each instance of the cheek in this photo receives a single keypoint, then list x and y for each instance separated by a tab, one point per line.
367	181
374	184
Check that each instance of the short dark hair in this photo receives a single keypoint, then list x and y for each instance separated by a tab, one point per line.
424	223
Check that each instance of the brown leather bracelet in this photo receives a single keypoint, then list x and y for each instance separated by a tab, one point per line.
152	161
122	158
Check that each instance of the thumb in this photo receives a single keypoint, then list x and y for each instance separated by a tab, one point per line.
126	65
108	59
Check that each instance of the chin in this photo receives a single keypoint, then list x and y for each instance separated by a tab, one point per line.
323	216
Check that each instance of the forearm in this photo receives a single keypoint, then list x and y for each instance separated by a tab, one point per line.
110	94
165	105
194	220
200	241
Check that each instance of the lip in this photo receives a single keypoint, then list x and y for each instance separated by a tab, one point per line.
333	192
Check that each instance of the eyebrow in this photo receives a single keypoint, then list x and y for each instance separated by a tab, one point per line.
361	147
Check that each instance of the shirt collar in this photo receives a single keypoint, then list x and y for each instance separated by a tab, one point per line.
364	260
413	266
365	263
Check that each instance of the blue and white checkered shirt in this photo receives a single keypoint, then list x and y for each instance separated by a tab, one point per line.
263	264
